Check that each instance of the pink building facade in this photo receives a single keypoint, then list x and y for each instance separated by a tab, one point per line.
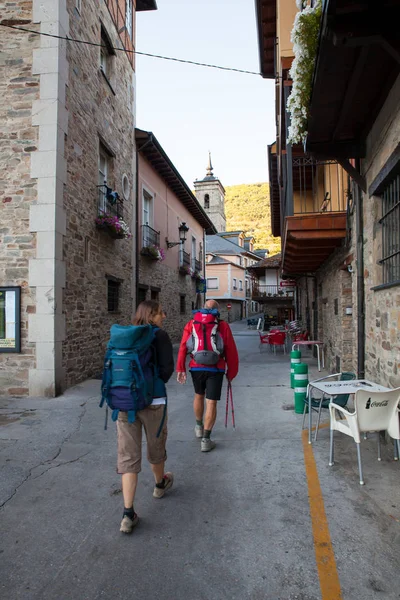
169	270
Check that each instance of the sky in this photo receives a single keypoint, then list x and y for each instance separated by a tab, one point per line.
193	110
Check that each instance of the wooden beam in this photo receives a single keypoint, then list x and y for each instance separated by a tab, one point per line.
354	174
314	235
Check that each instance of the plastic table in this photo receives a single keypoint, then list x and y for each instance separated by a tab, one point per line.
334	388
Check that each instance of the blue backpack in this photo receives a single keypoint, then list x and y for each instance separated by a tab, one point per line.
130	371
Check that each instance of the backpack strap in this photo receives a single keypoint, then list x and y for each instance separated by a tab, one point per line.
106	378
131	416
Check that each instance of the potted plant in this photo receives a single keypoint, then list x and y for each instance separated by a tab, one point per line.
114	226
154	252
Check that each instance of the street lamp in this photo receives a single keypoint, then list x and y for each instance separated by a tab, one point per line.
183	229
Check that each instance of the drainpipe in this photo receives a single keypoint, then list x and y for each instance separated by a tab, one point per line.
360	280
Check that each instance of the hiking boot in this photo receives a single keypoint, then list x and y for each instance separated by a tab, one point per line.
198	431
127	524
207	445
168	481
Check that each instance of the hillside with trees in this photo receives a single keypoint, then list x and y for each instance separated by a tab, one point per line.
247	208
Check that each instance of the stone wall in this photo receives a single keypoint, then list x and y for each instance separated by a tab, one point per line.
18	91
323	301
169	285
382	312
98	111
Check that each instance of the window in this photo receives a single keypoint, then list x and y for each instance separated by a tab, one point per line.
240	284
104	174
154	295
206	201
106	55
10	319
234	283
212	283
147	208
391	232
194	253
128	17
182	304
142	293
113	288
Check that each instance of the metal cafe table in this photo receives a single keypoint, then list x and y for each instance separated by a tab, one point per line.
335	388
319	345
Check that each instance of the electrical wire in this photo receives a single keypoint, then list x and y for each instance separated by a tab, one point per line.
180	60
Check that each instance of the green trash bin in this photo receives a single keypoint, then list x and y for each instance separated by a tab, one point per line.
300	387
295	359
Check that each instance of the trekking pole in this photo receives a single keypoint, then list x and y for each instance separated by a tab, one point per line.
227	404
232	407
229	396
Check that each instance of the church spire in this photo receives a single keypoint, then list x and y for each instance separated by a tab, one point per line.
209	166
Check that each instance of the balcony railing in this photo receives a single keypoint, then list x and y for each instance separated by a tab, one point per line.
109	202
271	292
319	186
150	237
196	265
184	262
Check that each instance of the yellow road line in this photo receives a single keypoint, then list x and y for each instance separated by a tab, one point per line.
324	555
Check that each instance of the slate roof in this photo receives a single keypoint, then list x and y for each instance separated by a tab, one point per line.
270	262
220	245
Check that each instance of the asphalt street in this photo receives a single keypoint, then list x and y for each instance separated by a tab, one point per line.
236	525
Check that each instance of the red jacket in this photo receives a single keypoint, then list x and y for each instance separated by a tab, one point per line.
229	362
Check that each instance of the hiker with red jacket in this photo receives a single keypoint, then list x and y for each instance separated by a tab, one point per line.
213	352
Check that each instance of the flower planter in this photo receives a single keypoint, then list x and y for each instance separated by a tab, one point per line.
150	253
111	231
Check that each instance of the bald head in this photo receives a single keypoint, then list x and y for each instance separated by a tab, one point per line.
211	304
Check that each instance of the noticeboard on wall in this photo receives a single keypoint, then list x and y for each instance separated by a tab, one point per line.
10	319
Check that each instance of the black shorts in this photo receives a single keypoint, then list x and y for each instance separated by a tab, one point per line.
208	383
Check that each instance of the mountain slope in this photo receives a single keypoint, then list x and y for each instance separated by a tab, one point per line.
247	208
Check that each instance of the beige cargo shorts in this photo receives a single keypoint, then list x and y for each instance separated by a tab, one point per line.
129	436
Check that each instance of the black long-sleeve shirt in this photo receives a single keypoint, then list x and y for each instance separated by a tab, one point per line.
164	353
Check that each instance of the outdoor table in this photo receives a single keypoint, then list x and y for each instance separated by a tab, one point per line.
319	345
334	388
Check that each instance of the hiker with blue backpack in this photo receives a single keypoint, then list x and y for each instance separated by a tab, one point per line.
213	352
138	363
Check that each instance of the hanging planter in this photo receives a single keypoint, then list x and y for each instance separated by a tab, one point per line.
114	226
154	252
305	42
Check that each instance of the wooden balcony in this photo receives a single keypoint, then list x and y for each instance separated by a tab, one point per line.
309	239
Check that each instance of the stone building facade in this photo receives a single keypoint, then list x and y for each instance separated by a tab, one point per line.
20	89
69	126
381	169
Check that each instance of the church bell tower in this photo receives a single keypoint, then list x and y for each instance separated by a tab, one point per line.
211	195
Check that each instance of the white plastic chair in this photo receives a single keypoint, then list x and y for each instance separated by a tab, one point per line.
374	411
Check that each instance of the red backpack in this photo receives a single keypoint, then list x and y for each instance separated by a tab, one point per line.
205	344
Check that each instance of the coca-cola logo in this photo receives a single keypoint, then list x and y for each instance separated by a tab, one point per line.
376	404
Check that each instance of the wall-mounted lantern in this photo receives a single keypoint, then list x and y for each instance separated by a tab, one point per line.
183	229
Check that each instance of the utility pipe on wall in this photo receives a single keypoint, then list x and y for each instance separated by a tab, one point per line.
360	280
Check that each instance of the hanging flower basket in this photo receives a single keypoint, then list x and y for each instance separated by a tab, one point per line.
195	275
114	226
154	252
185	270
305	42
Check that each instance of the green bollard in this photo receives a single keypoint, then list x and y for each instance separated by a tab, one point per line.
295	358
300	387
